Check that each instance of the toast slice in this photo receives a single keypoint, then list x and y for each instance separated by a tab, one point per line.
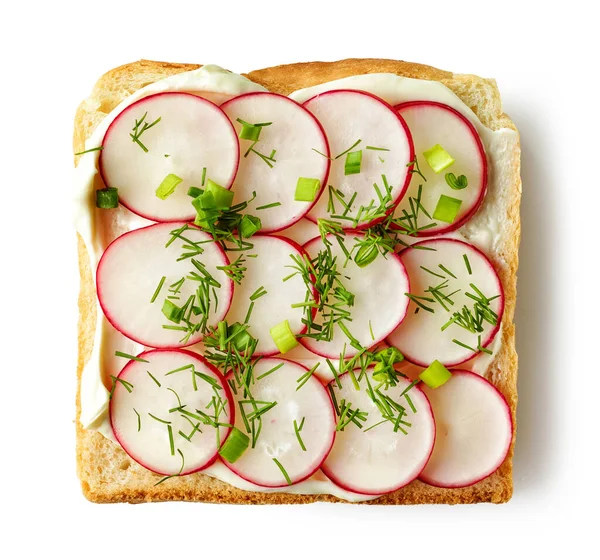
107	474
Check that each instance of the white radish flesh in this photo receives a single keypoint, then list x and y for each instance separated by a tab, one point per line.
294	134
347	117
298	431
266	269
193	134
380	302
131	271
432	123
420	336
380	460
153	405
474	431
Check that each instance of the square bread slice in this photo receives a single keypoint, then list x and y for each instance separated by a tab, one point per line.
107	474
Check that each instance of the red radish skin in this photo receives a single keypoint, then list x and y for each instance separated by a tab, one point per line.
395	338
329	349
261	177
115	292
404	109
265	316
177	207
431	479
243	467
120	391
333	464
318	211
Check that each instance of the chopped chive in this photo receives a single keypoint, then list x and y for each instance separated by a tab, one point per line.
153	378
467	264
272	370
171	440
371	330
272	205
303	379
348	150
297	430
158	419
125	384
446	270
431	272
129	357
158	288
283	471
88	151
376	148
139	419
259	292
464	345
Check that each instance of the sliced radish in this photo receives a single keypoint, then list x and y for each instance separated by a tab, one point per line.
298	431
427	333
159	411
193	135
380	302
267	265
292	136
358	121
432	123
130	275
474	431
379	460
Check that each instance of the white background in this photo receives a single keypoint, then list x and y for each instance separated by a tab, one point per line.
544	57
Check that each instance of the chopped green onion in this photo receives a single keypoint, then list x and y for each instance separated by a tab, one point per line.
353	162
107	198
447	209
366	255
456	183
223	197
172	311
251	131
438	158
235	445
307	189
168	186
283	337
249	226
195	192
240	337
435	375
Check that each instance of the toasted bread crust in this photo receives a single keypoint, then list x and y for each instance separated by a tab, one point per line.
106	472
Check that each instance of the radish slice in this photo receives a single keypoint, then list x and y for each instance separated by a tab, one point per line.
432	123
294	134
422	337
379	460
298	431
348	117
193	134
267	265
380	302
474	431
159	411
130	275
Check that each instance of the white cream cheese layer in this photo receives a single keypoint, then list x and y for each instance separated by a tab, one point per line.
98	228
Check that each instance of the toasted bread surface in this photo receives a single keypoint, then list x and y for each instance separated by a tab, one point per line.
106	472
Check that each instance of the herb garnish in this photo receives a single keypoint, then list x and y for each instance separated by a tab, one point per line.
137	132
